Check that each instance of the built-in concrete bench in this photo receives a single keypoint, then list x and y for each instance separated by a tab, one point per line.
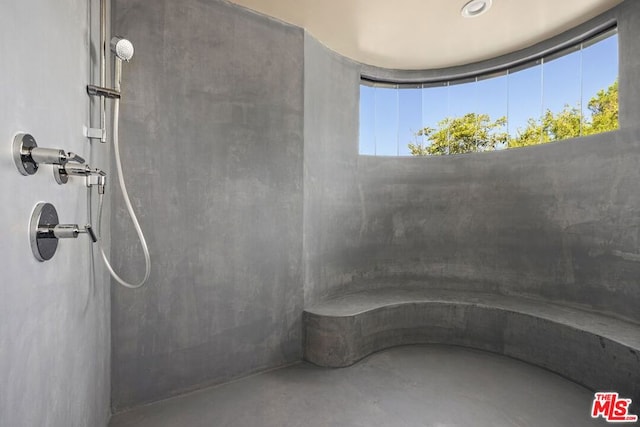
592	349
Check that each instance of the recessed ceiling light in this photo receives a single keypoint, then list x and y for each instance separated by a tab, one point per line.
475	8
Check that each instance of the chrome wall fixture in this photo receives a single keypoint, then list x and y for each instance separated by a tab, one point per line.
94	90
45	230
27	156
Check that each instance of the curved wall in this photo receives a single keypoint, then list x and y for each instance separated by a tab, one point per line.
239	138
559	221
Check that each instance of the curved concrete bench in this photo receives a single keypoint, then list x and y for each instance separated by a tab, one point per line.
592	349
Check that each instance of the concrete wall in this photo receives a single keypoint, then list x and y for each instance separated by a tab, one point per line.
212	135
54	315
240	146
560	221
332	196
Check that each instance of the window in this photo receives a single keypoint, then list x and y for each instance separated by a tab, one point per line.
570	93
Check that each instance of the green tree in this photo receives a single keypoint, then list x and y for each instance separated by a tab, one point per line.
604	111
569	123
477	132
552	127
455	135
530	135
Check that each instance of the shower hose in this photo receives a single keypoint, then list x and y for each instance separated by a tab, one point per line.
127	201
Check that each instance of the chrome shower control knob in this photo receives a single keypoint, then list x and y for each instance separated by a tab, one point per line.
66	231
73	157
89	230
45	230
27	156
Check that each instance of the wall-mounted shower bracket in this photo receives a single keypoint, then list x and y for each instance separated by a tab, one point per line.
94	133
98	180
94	90
45	230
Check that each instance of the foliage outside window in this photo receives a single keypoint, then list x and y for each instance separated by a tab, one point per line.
569	94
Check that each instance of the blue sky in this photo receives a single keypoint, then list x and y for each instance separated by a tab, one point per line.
389	117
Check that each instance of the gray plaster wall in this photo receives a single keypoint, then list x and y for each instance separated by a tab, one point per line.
54	315
240	147
212	145
332	193
559	221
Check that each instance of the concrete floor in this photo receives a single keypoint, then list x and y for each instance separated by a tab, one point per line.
435	386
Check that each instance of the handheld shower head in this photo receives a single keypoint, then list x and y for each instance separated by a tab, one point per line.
122	47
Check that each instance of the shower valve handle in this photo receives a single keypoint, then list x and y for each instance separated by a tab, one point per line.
45	231
89	230
53	156
27	155
66	231
73	157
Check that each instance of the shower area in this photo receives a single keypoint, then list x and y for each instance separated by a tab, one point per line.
239	147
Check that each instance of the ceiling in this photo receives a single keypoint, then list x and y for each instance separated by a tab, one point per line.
426	34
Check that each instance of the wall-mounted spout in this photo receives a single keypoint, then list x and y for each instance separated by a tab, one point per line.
74	169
